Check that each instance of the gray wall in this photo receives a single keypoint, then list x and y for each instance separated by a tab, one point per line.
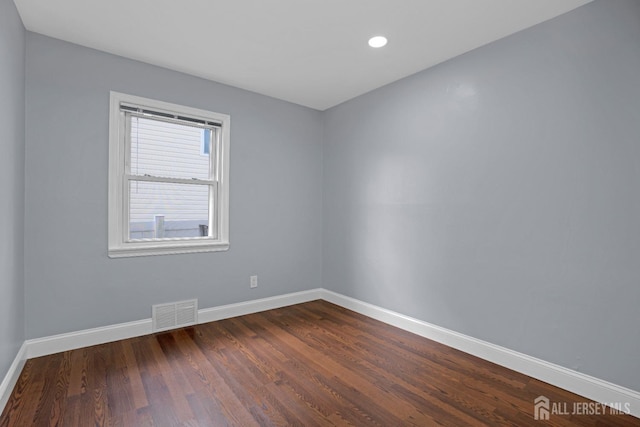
12	55
276	195
498	194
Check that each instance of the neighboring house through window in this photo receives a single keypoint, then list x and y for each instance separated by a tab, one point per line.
168	178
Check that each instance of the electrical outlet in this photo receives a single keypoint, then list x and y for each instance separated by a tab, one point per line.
253	281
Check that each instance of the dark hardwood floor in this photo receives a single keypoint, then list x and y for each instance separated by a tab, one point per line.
313	364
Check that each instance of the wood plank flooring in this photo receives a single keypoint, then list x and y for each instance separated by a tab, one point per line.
312	364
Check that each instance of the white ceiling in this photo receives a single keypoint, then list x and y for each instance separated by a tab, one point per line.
310	52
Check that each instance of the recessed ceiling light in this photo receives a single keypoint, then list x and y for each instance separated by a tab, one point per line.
377	41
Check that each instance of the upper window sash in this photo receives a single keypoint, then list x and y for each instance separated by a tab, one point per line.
213	131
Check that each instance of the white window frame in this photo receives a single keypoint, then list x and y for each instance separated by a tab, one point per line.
118	234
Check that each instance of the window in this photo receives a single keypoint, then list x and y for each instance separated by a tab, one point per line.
168	178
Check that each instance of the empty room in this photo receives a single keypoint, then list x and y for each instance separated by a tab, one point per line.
320	213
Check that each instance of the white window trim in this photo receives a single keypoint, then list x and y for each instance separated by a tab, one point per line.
118	216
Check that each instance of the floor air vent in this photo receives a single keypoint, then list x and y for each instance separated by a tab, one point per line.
174	315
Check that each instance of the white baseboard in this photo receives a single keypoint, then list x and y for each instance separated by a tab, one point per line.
11	378
576	382
88	337
256	306
69	341
559	376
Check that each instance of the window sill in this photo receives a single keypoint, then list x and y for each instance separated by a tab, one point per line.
134	250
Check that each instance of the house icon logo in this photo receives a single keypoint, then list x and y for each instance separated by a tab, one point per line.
541	408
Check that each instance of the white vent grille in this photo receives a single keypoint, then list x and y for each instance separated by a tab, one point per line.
174	315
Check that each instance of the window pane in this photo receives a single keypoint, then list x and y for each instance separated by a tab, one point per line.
160	210
166	149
